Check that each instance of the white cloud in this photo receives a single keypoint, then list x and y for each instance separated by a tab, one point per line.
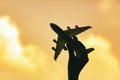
102	64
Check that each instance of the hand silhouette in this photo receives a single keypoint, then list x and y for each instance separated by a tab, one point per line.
75	63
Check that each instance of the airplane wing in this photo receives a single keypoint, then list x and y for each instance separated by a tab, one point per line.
76	31
60	43
59	46
89	50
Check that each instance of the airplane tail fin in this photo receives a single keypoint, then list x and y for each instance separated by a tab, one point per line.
89	50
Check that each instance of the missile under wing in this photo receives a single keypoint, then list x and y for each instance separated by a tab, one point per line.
60	43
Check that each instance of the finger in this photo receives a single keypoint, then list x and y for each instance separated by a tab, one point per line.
70	50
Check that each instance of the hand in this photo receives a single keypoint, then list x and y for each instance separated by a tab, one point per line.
75	63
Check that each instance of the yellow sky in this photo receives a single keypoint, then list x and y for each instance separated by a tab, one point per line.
26	38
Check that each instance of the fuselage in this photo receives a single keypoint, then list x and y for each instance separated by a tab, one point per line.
64	36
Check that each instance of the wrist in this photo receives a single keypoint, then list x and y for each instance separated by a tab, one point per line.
72	77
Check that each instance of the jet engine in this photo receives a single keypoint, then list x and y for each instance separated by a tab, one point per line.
76	26
53	48
54	41
68	28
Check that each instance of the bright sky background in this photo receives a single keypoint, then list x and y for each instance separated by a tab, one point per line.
26	38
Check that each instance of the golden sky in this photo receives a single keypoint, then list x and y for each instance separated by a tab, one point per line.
26	38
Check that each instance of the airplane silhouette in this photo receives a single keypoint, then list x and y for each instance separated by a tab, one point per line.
66	36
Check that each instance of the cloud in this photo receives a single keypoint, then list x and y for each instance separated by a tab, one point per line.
31	62
28	62
102	65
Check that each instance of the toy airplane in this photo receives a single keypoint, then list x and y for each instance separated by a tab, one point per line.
66	36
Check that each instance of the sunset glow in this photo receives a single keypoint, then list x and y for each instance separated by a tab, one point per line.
103	57
106	5
26	38
9	35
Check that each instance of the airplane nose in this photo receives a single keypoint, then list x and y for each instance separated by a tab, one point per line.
51	24
54	26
